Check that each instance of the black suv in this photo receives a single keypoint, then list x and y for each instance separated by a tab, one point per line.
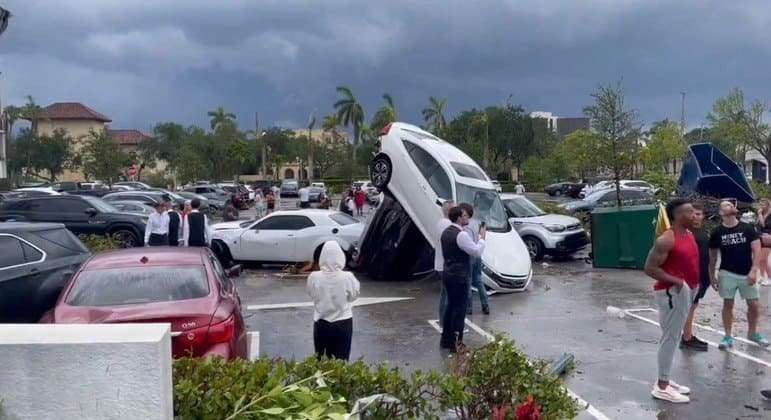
82	215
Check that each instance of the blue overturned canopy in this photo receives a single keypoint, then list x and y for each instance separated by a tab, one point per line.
708	171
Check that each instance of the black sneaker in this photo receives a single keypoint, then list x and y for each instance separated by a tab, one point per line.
486	310
766	394
694	344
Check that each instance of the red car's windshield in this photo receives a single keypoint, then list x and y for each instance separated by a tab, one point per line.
120	286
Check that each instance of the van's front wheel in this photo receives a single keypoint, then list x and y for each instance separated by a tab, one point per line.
380	172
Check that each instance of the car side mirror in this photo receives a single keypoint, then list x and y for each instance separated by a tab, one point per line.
234	271
438	202
91	211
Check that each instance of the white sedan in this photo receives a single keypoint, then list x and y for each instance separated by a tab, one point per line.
286	236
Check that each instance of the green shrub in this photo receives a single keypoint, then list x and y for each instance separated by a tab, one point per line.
99	243
492	378
761	189
666	184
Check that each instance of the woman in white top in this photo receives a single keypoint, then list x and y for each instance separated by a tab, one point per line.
333	291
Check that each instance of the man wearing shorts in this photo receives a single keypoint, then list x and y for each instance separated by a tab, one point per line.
690	341
740	259
674	264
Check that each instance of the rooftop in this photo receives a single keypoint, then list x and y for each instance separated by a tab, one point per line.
71	111
127	137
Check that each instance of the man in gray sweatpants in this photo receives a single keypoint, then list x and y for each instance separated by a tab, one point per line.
674	264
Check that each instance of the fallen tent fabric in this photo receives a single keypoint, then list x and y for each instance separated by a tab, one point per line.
708	172
392	247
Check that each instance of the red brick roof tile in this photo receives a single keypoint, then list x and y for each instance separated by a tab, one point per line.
127	137
71	111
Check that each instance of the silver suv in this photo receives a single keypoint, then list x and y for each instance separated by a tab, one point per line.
543	233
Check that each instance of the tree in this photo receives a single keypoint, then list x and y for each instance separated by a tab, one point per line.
191	166
11	114
103	158
220	118
330	123
617	129
385	115
31	111
168	138
311	124
580	149
330	154
350	112
239	153
433	115
52	154
665	146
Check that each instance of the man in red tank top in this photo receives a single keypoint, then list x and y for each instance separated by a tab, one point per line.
674	263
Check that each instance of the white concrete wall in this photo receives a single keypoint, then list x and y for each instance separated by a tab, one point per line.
118	371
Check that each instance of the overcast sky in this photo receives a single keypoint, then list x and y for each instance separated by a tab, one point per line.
145	61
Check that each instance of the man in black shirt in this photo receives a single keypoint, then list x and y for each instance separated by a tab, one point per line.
740	258
196	227
690	341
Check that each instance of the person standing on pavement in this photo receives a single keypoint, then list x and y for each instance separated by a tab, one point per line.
457	250
229	212
259	205
270	199
441	225
276	196
519	189
475	271
157	229
175	223
305	197
674	263
740	259
689	340
764	225
359	198
195	231
333	291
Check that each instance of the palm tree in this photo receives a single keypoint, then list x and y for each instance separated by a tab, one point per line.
11	114
311	124
330	123
485	121
434	115
31	112
220	118
385	115
350	112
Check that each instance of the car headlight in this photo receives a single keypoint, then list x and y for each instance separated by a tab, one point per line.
555	228
487	270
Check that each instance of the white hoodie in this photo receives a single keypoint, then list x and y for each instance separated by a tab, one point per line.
332	289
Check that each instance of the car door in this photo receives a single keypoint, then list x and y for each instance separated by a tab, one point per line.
20	274
72	212
273	238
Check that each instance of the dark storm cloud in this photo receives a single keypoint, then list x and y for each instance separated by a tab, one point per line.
146	61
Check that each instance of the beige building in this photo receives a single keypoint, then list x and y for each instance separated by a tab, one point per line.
292	170
78	121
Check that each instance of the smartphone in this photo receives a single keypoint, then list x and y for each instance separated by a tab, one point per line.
482	224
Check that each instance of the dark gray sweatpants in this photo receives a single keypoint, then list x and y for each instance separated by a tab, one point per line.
673	310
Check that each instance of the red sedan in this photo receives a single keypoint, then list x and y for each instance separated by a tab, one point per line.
186	287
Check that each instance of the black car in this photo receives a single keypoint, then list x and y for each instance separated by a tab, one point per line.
290	188
568	189
604	198
37	261
151	198
82	215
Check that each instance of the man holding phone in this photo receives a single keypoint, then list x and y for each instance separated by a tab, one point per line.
473	228
740	259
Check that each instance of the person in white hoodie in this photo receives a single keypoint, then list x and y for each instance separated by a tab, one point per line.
333	291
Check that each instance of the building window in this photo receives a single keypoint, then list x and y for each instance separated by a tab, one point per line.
289	173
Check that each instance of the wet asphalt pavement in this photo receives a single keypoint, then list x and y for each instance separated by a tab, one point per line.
564	310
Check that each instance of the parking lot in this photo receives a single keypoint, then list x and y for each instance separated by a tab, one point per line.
563	311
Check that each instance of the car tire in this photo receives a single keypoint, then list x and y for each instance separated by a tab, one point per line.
380	171
126	238
223	253
558	193
534	247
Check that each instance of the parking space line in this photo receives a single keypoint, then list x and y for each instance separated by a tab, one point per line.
590	409
711	343
358	302
710	329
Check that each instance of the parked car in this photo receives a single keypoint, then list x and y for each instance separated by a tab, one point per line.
290	188
421	170
151	198
625	184
95	189
81	214
175	197
542	233
135	185
285	236
135	207
568	189
366	186
216	196
37	261
37	191
206	204
263	185
122	188
8	195
185	287
607	197
319	185
239	191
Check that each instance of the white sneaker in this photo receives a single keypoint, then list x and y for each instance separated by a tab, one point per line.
669	394
679	388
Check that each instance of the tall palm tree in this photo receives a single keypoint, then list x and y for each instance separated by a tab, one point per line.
330	123
485	121
219	118
311	124
31	112
11	114
433	115
385	115
350	113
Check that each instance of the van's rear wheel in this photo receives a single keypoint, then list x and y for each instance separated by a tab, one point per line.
380	172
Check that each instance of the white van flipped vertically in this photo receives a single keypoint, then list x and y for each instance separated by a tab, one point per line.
422	170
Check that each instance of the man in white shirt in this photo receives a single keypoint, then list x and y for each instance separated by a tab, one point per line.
276	196
457	250
441	225
157	229
195	230
304	194
519	189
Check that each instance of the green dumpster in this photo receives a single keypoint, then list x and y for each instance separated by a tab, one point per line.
622	237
